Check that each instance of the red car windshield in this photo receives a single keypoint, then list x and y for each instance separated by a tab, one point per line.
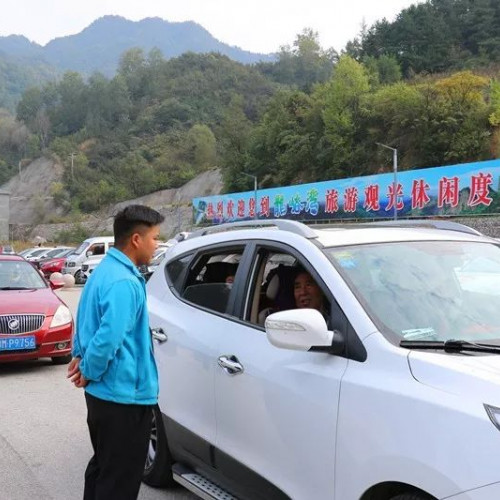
19	275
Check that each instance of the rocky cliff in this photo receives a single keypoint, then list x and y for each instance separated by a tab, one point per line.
32	205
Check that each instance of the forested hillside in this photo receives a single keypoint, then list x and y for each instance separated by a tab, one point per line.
436	36
311	115
18	73
98	48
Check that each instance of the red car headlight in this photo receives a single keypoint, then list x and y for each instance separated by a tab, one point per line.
61	317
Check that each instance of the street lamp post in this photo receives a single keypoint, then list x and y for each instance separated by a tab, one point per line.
395	180
254	177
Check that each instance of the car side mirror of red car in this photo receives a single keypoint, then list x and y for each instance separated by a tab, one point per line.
56	285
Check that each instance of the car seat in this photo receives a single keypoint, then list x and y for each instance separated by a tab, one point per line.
279	291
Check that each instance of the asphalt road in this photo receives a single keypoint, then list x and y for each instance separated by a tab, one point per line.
44	443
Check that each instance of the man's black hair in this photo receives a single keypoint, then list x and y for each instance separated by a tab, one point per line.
132	219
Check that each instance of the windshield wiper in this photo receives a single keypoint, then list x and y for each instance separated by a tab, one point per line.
16	288
450	346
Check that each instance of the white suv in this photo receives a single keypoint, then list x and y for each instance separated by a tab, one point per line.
389	390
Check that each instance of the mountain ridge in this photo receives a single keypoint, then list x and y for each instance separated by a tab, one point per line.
98	47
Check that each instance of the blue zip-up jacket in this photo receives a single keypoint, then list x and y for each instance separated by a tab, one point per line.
112	334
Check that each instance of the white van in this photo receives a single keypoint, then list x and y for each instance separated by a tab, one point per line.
90	264
91	246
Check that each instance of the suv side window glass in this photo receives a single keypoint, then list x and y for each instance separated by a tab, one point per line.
210	279
280	282
174	271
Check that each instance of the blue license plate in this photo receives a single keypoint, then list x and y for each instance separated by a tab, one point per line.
17	343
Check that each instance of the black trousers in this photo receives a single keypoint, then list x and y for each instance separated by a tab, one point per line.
120	438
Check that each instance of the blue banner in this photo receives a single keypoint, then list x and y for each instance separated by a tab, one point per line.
465	189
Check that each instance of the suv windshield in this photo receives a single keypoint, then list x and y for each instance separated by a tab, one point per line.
430	290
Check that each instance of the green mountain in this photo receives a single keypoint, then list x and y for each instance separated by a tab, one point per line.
99	46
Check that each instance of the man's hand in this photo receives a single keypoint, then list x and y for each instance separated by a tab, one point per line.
73	367
75	375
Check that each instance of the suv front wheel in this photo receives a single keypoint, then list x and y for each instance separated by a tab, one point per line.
158	467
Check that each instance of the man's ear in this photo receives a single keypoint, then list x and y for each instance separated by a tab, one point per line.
135	240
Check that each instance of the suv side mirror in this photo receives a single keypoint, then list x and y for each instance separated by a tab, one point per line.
298	329
88	253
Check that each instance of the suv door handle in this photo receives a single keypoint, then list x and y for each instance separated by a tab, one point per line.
230	364
159	335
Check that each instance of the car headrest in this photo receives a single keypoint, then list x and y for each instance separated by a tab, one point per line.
273	287
217	272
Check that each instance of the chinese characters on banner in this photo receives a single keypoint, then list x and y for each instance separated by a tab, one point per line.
455	190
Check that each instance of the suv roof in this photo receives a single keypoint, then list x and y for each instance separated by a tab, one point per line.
338	234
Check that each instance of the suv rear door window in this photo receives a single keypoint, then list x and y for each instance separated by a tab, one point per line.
210	279
175	271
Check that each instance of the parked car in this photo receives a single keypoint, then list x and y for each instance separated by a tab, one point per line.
53	265
98	245
34	322
26	251
58	252
50	254
7	250
389	388
31	253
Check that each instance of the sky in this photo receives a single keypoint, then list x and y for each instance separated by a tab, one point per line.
255	25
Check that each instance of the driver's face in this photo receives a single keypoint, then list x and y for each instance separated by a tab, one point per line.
307	293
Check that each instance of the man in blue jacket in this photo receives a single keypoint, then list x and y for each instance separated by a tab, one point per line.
113	359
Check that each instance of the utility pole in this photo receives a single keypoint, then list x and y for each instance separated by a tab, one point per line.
395	171
179	210
72	155
254	177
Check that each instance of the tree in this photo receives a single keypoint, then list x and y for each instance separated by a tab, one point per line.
494	117
201	146
282	148
132	67
393	112
69	114
304	64
234	133
383	70
343	96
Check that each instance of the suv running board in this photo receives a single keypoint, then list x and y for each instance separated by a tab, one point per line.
198	484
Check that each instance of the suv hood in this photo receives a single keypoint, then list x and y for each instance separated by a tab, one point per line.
469	374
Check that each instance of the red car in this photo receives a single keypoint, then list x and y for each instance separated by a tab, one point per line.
34	322
52	266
